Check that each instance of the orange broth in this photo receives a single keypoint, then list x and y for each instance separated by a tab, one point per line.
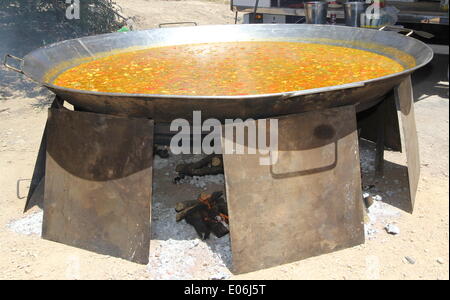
227	69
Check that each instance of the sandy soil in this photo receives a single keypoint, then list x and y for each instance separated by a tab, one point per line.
151	13
424	235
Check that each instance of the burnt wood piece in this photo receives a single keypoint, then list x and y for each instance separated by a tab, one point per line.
180	206
214	202
205	166
218	203
218	229
184	212
204	214
162	152
309	202
204	222
196	217
98	183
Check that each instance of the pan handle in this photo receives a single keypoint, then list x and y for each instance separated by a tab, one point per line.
177	23
397	29
5	63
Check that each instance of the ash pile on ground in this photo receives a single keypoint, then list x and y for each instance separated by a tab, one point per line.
176	252
379	214
31	224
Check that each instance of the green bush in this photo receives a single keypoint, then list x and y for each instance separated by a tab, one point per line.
96	16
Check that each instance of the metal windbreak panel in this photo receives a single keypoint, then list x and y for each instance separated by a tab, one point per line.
98	184
292	210
410	141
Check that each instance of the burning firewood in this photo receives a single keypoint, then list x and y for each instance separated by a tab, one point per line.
210	165
180	206
207	214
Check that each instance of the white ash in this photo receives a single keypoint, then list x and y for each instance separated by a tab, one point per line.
178	253
160	163
31	224
367	159
203	181
382	211
379	213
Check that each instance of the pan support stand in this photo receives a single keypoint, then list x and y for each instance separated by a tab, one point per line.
392	126
307	201
97	171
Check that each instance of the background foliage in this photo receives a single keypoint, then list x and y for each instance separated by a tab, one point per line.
96	16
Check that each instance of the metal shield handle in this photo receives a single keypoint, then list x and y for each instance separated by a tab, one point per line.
5	63
177	23
397	29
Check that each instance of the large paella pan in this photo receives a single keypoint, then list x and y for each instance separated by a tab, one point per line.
44	65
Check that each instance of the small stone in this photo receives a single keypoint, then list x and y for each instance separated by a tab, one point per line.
369	187
410	260
440	261
377	198
218	277
392	229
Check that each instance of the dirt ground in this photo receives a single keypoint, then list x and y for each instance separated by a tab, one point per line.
424	235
